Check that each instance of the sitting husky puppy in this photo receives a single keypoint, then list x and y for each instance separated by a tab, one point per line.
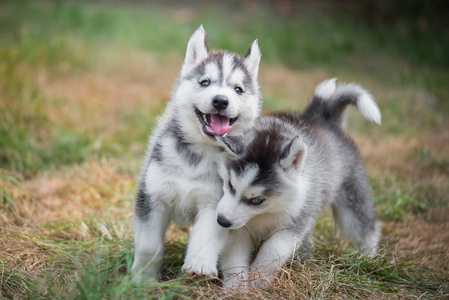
216	94
277	184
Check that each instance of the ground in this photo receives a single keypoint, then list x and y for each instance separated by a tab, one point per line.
81	86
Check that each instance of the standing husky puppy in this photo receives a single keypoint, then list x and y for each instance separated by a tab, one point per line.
281	180
216	94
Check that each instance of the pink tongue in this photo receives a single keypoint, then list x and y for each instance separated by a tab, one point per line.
219	124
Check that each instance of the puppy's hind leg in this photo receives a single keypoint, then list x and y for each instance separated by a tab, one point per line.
150	224
355	215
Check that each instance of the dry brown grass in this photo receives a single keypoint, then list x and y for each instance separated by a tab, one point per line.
96	99
398	154
70	192
421	242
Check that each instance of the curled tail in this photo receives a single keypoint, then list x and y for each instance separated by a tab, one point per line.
330	101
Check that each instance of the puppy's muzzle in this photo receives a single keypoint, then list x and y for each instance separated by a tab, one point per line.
223	221
220	102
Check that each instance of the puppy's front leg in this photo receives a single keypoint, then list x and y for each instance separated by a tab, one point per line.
272	255
236	258
206	241
149	231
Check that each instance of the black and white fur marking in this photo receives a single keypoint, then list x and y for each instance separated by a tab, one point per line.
293	166
217	93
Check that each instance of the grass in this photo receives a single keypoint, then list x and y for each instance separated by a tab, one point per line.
81	85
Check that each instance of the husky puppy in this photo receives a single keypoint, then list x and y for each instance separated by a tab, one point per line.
277	184
217	93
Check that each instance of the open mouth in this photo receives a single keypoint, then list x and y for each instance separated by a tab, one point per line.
214	123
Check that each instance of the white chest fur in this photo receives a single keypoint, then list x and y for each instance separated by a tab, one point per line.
182	186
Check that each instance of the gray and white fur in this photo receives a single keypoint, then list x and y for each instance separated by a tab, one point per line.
217	93
277	184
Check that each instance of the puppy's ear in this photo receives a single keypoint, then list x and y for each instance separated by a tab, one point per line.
252	59
293	155
233	145
196	50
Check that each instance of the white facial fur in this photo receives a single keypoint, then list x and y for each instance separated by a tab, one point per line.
191	94
224	75
235	207
232	207
281	196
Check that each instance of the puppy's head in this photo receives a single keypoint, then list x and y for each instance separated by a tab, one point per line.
261	178
217	92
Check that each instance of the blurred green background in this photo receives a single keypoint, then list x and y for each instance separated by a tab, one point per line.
396	44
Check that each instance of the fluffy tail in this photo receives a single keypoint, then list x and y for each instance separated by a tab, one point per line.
330	101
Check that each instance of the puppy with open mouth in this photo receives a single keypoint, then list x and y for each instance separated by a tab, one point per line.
216	94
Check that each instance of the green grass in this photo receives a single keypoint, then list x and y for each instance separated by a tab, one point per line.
103	266
69	162
29	140
398	199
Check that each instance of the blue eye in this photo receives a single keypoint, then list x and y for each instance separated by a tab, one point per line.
238	90
256	201
205	83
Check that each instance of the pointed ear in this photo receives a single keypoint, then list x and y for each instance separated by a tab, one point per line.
294	155
196	50
232	145
252	59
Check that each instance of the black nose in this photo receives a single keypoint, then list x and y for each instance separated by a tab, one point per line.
220	102
223	221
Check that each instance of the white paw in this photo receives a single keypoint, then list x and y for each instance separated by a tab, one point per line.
260	279
143	273
146	267
257	283
235	277
200	268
